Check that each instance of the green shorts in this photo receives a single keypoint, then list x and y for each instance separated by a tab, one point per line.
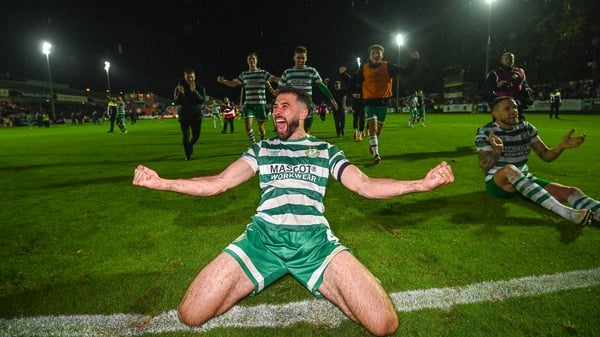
376	112
497	191
256	111
267	252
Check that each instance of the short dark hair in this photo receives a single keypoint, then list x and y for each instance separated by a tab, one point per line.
300	49
301	95
499	99
189	71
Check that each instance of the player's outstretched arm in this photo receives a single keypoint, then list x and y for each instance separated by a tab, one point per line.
568	142
237	173
381	188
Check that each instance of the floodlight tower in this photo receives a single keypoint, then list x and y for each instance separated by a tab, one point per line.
489	38
46	48
106	68
399	43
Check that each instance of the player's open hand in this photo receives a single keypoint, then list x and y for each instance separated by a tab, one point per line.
570	141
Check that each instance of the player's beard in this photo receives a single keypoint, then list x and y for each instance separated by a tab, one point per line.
511	120
286	129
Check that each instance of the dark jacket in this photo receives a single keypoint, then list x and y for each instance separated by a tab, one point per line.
516	86
190	102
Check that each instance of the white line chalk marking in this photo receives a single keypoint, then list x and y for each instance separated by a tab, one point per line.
311	311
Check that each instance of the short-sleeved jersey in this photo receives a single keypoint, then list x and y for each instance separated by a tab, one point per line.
293	176
301	78
254	82
517	145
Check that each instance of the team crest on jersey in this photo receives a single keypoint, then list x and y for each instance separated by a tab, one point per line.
312	152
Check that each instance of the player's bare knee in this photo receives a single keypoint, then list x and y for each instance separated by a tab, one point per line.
189	317
386	326
567	192
510	168
508	171
573	189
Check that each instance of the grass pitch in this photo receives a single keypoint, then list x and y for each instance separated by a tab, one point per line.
76	238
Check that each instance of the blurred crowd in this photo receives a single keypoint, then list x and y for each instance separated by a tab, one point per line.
569	90
29	114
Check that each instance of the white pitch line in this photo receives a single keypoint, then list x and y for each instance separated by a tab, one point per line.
311	311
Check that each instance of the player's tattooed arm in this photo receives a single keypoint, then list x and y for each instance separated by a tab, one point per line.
487	159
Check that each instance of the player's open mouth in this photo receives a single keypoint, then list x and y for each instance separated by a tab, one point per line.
281	124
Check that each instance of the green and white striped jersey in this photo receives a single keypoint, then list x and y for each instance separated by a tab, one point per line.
517	145
293	177
120	111
254	82
301	78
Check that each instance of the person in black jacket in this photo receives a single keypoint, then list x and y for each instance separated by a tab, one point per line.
358	113
339	113
190	97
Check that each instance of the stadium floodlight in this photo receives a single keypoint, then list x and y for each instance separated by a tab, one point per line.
46	49
106	68
399	40
399	43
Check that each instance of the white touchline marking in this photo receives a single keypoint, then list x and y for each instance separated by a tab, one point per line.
278	315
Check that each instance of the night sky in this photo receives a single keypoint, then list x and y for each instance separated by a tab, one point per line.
150	43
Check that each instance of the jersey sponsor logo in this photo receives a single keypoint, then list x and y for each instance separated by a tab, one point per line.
255	82
299	83
302	168
516	150
299	172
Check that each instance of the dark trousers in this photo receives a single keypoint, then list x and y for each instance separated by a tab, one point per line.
112	115
553	110
228	121
339	118
190	128
358	118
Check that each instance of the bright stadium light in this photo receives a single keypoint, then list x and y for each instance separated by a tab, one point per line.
399	43
399	40
46	48
106	68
